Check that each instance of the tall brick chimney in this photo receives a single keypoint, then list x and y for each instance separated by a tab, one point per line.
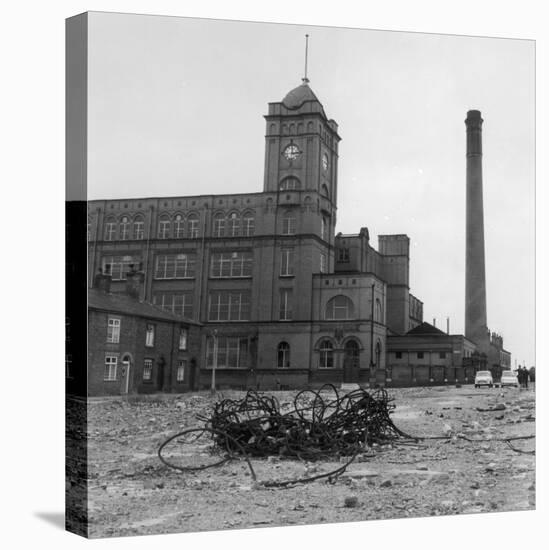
475	276
134	282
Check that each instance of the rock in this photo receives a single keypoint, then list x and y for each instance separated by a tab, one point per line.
350	502
386	483
475	485
532	487
500	407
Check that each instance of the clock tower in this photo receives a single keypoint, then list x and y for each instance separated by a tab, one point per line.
301	145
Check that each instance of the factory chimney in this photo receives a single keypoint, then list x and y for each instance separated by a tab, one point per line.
476	328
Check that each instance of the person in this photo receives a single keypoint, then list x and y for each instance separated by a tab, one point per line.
520	376
526	375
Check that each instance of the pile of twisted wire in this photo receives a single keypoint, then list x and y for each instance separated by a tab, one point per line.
316	427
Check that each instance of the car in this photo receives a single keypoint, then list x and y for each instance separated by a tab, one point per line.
484	378
509	378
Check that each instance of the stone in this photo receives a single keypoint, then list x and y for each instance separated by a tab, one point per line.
386	483
350	502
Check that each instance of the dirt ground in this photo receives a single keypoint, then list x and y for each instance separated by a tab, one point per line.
132	493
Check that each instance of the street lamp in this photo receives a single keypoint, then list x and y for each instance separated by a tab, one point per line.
214	336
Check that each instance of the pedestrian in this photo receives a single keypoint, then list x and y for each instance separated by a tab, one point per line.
520	376
526	375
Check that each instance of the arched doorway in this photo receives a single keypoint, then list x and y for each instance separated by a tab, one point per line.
126	373
351	362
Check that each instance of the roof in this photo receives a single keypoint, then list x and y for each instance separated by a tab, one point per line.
296	97
124	304
425	329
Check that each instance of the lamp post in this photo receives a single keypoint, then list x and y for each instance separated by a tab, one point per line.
214	366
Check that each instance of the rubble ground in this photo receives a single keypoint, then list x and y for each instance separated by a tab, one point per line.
132	493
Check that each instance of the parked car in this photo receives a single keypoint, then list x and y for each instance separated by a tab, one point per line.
484	378
509	378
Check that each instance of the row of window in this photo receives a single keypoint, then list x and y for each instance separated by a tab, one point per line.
111	369
420	355
113	333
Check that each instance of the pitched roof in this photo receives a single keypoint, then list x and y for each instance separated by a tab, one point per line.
299	95
122	303
425	329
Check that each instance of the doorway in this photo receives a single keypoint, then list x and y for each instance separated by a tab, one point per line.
125	378
351	362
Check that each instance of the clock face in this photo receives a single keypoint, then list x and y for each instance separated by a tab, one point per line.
325	162
291	152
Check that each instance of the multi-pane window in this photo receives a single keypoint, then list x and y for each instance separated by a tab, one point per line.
181	367
119	266
248	225
111	362
340	307
110	231
192	226
228	305
286	310
234	225
147	370
219	225
378	312
343	255
324	228
149	335
288	184
178	227
113	330
288	223
231	264
322	263
138	229
180	303
420	355
442	355
183	333
175	266
164	228
398	355
124	229
283	355
232	353
287	261
326	355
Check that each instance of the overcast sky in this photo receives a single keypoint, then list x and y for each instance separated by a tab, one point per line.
176	108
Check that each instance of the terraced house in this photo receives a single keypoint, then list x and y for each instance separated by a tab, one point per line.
283	301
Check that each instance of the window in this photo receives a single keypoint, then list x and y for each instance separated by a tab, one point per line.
192	226
110	231
149	335
286	310
183	339
164	228
398	354
324	228
228	305
326	357
343	255
181	366
288	224
248	225
288	184
175	266
234	225
287	262
178	227
124	228
113	330
324	191
283	355
180	303
219	225
322	263
420	355
138	229
232	353
118	266
110	367
231	264
442	355
378	312
340	307
147	370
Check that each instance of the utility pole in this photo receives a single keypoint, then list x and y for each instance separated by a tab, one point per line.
214	367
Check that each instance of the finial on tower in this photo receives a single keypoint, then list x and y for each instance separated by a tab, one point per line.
305	80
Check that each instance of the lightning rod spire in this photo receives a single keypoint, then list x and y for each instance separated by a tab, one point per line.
305	79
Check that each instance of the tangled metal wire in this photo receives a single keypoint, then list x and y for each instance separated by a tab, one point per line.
316	427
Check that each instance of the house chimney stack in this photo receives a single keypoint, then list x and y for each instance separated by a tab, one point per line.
134	282
102	281
475	276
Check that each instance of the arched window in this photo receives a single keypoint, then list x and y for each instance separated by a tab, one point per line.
192	226
248	225
324	191
164	227
290	183
178	227
326	356
219	225
288	223
283	355
110	230
234	225
378	312
124	228
378	353
138	228
324	228
340	307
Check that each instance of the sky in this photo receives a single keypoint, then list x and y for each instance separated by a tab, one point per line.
176	108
